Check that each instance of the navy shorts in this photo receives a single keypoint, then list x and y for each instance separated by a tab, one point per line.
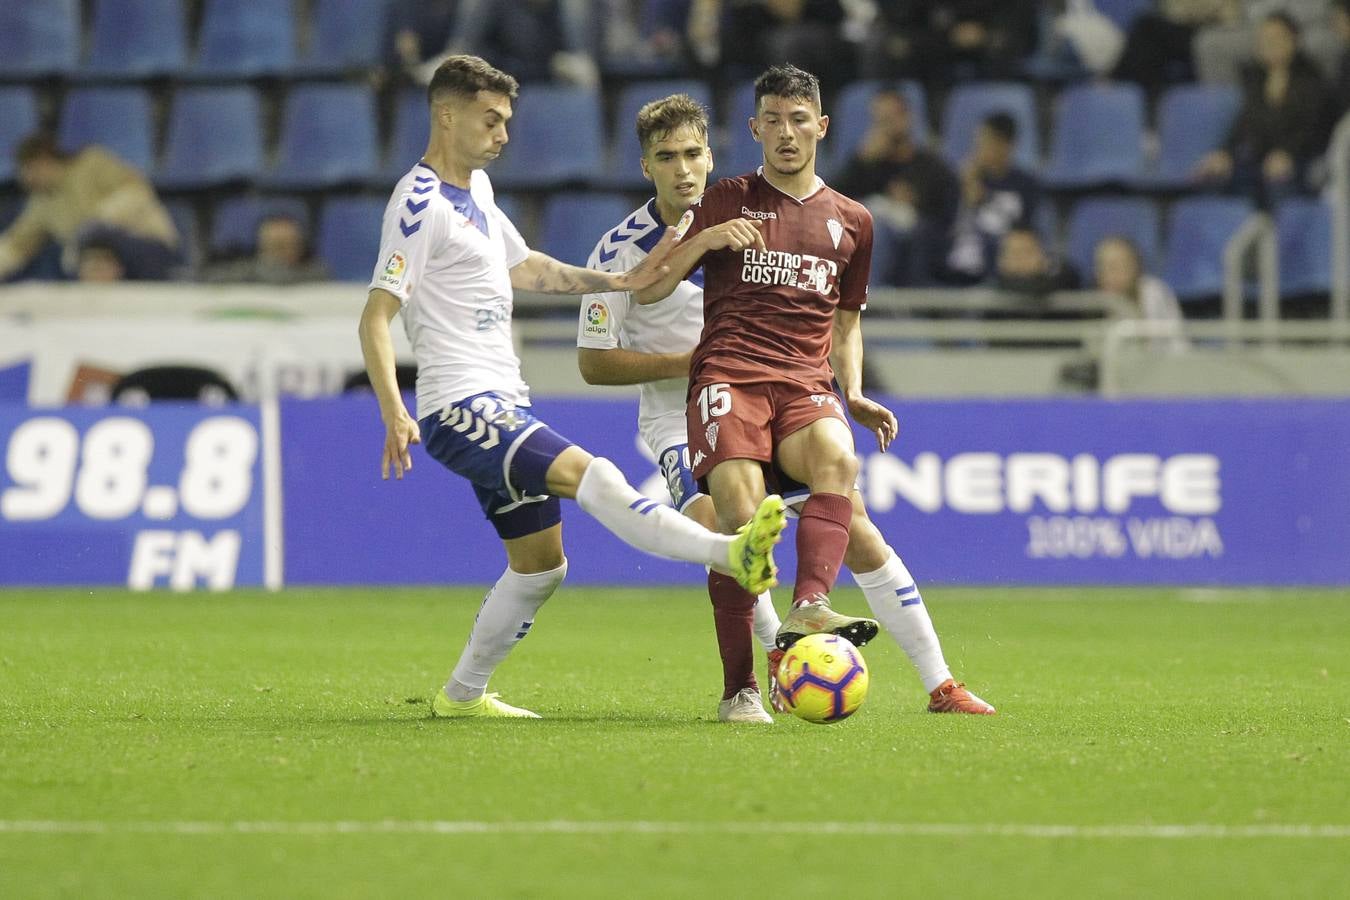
505	452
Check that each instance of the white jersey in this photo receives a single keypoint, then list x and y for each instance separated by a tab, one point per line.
672	325
446	254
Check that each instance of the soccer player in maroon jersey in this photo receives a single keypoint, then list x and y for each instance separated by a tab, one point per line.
786	263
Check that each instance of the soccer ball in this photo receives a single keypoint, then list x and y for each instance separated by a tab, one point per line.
822	678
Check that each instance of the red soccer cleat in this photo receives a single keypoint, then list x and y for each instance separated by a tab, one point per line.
775	698
952	697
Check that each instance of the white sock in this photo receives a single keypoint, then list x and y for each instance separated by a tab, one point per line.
506	616
644	523
766	621
895	601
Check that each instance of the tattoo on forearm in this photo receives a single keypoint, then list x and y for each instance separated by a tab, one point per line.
554	277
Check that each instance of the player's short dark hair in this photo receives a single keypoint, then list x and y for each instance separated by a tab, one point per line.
662	117
42	145
464	76
1003	125
788	81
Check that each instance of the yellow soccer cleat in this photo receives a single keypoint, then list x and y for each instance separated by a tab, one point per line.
486	707
750	557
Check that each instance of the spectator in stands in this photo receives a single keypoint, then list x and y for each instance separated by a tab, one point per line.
1283	123
1221	50
1158	48
89	196
996	196
1120	270
740	38
416	29
950	40
1024	266
912	195
282	257
536	40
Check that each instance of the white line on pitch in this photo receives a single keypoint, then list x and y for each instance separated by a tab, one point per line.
886	829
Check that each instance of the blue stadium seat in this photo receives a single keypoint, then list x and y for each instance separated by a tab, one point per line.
349	236
1197	231
849	119
1096	218
1123	12
1303	227
970	104
347	35
214	138
136	39
234	223
18	119
852	114
624	170
1193	119
1098	136
245	39
327	137
39	37
516	211
119	119
574	223
409	133
557	136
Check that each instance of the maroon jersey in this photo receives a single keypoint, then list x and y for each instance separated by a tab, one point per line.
767	314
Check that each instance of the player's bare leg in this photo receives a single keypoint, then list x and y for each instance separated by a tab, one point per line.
893	594
736	485
821	456
535	567
601	490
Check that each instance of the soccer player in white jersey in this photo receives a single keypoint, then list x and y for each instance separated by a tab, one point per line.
449	259
622	342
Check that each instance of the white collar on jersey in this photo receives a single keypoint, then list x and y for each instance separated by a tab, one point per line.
820	183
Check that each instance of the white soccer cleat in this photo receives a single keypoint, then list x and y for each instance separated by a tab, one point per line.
744	708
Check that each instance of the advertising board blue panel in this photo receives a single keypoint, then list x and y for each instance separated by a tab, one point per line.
166	497
1025	492
1015	492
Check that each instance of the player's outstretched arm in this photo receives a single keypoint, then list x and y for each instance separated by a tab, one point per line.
846	354
542	273
683	258
620	366
377	347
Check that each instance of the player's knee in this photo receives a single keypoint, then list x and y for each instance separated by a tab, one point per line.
733	515
835	474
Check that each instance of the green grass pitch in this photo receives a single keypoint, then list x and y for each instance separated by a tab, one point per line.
248	744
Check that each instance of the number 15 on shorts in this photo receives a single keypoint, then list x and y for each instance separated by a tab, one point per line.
714	400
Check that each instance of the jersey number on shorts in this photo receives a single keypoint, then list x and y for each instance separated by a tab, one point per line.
713	401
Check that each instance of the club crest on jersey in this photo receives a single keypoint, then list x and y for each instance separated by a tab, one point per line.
836	231
686	220
394	267
597	319
711	435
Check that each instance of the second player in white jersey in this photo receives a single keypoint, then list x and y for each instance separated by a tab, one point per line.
672	325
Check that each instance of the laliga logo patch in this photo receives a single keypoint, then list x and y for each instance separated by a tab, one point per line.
597	319
394	268
683	225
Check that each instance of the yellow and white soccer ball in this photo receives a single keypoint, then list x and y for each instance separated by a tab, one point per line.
822	678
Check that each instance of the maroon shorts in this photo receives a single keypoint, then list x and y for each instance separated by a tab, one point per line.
747	421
